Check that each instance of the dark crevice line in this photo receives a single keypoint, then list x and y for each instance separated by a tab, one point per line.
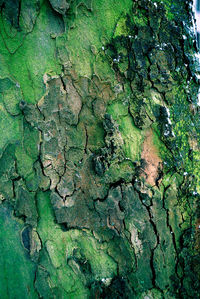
18	14
148	208
173	237
86	141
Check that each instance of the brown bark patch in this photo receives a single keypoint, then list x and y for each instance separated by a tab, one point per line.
151	159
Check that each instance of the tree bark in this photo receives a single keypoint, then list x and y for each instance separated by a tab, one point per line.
99	154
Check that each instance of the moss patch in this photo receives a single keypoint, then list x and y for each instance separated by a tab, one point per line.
132	136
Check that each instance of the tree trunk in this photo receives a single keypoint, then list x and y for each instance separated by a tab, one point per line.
99	150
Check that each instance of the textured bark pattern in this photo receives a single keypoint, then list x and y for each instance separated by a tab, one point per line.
99	150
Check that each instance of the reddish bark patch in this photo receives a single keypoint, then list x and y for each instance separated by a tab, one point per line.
151	159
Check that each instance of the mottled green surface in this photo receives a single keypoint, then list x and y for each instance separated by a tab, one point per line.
17	271
99	152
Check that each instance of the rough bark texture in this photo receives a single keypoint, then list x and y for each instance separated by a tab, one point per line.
99	153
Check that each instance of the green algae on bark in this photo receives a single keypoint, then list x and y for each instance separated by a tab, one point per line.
99	160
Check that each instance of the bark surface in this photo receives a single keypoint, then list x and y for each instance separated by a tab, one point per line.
99	151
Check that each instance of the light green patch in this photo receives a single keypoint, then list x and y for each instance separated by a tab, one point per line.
61	247
102	266
162	150
156	97
121	28
132	136
55	240
140	19
102	68
33	56
17	270
93	29
10	96
24	162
